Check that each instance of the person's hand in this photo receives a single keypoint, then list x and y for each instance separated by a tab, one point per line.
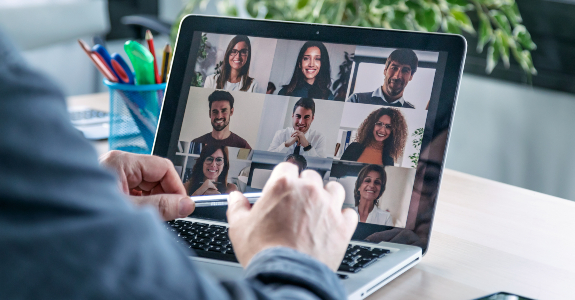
291	140
150	180
301	138
294	211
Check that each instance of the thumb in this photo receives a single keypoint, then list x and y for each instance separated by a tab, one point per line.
170	206
238	207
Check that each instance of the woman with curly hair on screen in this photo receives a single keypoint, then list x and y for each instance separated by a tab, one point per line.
369	187
209	174
234	73
312	73
380	138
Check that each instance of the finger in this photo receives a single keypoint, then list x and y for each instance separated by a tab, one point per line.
350	221
312	177
170	206
337	193
147	171
238	207
282	170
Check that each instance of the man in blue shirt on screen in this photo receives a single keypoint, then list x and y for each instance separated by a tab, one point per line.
399	69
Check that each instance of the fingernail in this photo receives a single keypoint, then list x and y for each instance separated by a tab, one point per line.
185	207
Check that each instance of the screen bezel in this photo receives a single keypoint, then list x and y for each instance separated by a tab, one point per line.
175	98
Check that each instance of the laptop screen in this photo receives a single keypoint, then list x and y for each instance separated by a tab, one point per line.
355	114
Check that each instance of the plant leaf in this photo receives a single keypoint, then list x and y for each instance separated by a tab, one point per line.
501	20
427	18
492	57
502	46
485	33
523	37
458	2
453	26
463	20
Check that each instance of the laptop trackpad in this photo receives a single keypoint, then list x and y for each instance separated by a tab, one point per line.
223	270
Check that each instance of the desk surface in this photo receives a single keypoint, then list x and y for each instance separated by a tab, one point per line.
487	237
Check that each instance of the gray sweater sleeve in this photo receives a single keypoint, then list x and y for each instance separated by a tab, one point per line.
66	232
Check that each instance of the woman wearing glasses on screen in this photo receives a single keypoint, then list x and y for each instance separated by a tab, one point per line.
369	187
380	138
209	174
234	72
312	73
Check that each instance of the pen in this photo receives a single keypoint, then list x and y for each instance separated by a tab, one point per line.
98	62
150	41
166	62
221	200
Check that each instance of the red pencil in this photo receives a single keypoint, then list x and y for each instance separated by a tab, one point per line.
150	40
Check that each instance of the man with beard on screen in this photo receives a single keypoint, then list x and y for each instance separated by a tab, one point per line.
399	69
221	110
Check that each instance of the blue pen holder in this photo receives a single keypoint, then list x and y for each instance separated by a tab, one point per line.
134	113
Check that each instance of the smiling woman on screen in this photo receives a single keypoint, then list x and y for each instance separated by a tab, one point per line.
380	138
312	73
369	187
234	73
209	174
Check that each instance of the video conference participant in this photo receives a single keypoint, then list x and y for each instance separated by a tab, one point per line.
297	160
210	173
234	74
221	111
312	73
300	139
380	138
369	187
399	69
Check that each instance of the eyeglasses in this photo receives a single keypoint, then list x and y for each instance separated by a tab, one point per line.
379	124
243	52
210	160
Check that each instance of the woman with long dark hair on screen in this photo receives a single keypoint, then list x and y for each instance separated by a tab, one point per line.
235	70
380	138
312	73
369	187
209	174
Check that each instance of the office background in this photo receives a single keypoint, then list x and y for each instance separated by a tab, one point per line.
503	130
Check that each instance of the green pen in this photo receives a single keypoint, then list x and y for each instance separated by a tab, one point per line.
142	61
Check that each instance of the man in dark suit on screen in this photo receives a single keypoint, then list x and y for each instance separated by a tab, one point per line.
399	69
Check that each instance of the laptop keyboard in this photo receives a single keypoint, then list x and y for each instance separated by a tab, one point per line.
212	241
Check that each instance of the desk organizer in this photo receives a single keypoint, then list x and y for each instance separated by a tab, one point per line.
134	113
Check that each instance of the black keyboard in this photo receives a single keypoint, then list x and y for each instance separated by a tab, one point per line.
212	241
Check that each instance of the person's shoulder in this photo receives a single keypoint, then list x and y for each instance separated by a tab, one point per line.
202	138
283	91
210	81
364	97
354	146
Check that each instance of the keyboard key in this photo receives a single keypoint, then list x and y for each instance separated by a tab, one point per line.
346	268
342	276
384	251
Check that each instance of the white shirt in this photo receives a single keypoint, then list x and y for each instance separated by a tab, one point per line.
211	83
315	139
378	93
377	216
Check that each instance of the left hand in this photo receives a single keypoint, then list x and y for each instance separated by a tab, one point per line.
301	138
150	180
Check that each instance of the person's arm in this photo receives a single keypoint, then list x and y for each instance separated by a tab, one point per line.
64	218
319	148
278	142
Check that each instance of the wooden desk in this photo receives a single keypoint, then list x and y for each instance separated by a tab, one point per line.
487	237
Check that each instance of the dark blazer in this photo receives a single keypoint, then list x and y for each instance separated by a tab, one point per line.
368	98
355	149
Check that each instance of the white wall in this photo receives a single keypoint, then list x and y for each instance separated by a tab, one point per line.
286	55
261	61
396	196
355	113
272	120
244	122
515	134
417	92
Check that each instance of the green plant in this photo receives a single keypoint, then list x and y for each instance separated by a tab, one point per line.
499	26
418	137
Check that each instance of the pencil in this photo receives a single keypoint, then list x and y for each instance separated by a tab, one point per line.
166	61
150	41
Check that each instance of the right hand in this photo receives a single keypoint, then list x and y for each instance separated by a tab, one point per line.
207	188
294	211
292	140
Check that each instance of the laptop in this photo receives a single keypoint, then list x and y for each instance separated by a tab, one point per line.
368	108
